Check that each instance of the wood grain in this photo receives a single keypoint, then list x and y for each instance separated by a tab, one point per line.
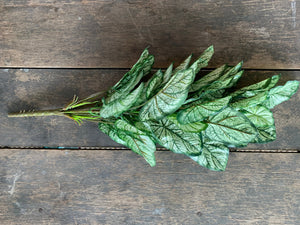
117	187
111	34
53	88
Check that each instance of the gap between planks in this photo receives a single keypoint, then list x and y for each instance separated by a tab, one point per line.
158	149
153	68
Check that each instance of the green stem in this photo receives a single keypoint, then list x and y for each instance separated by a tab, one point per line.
54	112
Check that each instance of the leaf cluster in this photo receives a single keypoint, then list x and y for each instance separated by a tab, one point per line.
200	118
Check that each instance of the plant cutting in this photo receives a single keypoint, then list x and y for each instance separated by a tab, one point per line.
200	118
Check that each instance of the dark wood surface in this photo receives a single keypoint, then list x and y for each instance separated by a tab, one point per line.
107	187
51	50
53	88
111	34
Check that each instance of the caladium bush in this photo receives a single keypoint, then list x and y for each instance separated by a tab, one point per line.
200	118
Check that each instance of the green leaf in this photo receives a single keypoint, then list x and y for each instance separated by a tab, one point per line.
227	82
230	127
118	106
231	71
137	141
154	83
169	98
127	127
203	60
280	94
250	102
111	131
259	115
261	86
167	74
128	76
211	95
265	134
131	78
208	79
217	88
184	65
214	156
263	120
196	127
144	126
199	111
175	139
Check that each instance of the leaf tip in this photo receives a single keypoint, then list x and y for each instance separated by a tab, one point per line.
240	64
152	164
211	48
146	51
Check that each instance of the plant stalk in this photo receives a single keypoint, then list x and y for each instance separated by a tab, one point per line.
54	112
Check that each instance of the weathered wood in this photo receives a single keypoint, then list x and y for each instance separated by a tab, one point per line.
106	34
118	187
44	89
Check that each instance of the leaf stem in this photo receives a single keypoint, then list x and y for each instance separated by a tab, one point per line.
54	112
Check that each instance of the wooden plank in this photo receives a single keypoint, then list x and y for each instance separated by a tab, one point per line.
118	187
45	89
111	34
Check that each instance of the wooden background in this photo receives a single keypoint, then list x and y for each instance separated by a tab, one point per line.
51	50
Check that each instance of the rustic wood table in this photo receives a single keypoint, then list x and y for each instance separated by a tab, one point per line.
55	172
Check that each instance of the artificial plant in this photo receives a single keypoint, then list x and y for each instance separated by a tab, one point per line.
199	118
